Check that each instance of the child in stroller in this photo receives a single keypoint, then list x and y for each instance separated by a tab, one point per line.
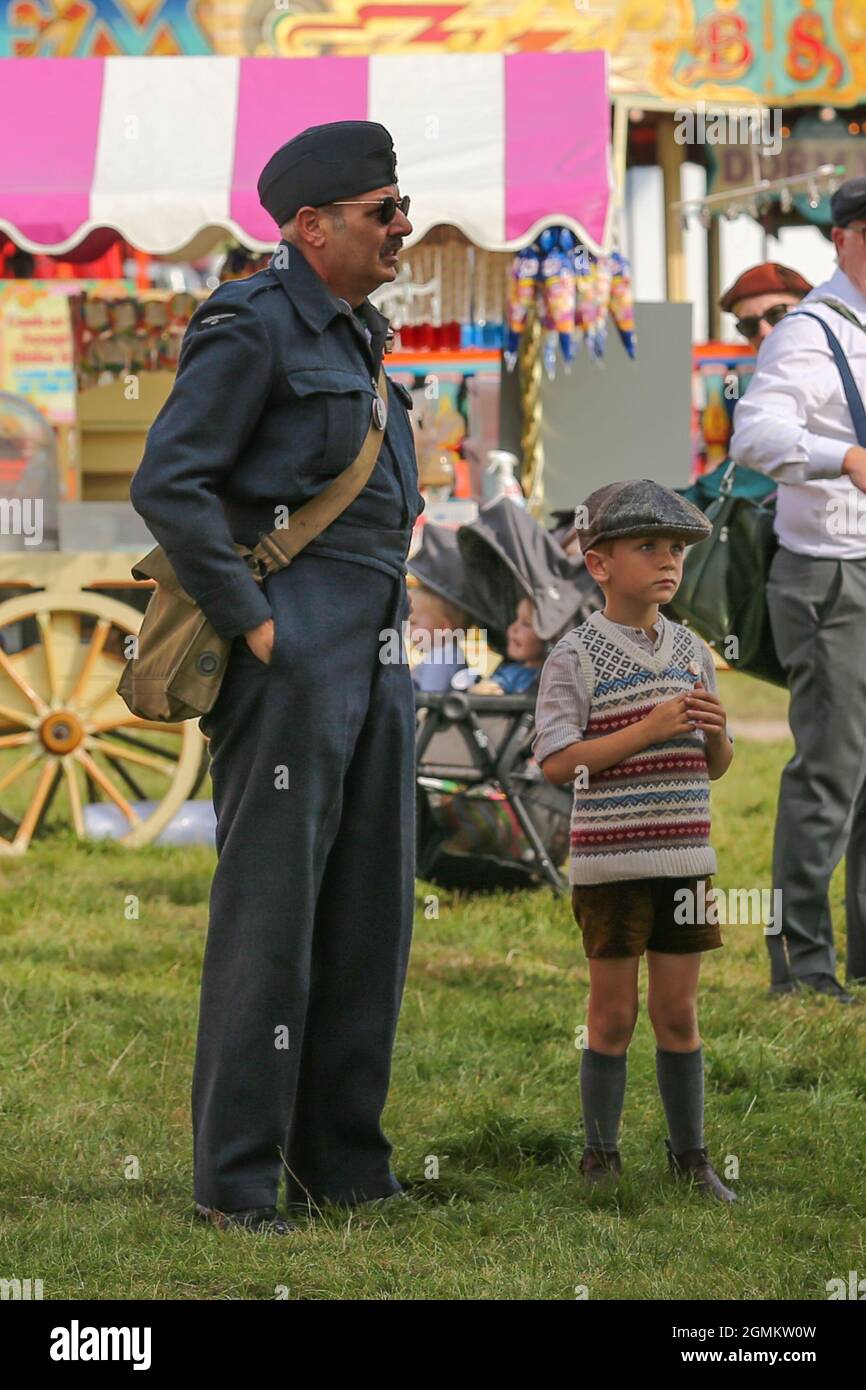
486	816
525	653
444	622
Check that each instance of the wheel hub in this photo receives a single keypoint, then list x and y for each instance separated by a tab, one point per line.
61	731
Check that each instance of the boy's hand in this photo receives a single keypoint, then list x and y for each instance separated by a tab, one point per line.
707	712
696	709
669	720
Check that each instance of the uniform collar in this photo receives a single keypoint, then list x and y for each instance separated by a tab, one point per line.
316	303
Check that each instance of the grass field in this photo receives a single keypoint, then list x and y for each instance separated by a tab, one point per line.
98	1026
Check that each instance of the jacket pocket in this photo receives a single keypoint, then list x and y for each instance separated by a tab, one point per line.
335	405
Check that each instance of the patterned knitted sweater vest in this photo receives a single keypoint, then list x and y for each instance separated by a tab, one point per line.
649	815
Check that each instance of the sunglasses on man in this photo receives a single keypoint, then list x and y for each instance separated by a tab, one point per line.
387	206
750	324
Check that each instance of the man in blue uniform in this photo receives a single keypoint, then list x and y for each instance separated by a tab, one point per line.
312	735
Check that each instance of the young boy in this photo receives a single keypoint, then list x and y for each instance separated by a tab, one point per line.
627	708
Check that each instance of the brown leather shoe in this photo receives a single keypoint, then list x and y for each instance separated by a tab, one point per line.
695	1164
600	1165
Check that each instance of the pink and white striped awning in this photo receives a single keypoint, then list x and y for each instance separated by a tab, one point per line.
165	150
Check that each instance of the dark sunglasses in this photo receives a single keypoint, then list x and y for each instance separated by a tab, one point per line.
387	206
750	324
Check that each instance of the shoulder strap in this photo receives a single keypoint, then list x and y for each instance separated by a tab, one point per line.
852	395
843	310
277	549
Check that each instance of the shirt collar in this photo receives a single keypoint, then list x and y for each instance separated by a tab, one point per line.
316	303
641	632
844	289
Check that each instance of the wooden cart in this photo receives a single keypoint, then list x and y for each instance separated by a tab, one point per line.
66	737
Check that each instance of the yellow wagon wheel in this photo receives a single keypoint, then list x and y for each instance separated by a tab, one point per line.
64	728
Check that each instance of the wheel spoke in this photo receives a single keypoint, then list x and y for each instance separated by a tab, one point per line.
103	726
18	768
17	718
16	740
143	743
107	693
23	685
127	778
94	651
74	796
31	816
44	620
102	780
111	750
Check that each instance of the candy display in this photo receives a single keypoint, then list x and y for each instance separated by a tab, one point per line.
117	336
574	293
522	291
598	306
621	301
448	296
560	296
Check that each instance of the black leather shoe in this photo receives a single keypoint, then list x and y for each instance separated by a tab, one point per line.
828	984
260	1220
695	1164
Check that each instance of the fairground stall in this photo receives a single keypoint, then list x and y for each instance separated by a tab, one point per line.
506	159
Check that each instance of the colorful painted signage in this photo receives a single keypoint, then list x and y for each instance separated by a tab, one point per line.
795	52
36	354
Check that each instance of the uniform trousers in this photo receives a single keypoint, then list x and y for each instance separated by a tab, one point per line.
312	899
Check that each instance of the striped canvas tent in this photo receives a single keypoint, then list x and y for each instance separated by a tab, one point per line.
167	151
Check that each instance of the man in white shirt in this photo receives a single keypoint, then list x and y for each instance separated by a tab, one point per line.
794	424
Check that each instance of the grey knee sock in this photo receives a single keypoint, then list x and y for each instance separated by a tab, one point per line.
680	1077
602	1092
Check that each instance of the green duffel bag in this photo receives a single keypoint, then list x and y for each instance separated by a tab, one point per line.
723	592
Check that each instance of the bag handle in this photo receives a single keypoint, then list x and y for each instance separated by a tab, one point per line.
278	548
849	385
726	486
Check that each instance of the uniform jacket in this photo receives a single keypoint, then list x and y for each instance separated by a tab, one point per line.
272	399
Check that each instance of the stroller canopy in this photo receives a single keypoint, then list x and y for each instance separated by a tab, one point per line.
488	566
438	565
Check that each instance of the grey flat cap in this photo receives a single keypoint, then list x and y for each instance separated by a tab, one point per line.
848	202
640	508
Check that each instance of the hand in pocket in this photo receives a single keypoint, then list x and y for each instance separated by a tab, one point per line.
260	641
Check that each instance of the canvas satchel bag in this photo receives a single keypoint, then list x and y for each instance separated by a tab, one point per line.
181	659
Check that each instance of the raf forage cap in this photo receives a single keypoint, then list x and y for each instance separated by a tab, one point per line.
325	163
640	508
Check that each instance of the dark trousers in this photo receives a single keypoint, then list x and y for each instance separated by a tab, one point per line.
311	905
818	615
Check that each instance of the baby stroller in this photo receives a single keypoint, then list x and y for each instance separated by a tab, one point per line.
486	816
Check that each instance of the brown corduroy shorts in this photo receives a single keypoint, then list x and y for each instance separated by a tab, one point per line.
631	916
